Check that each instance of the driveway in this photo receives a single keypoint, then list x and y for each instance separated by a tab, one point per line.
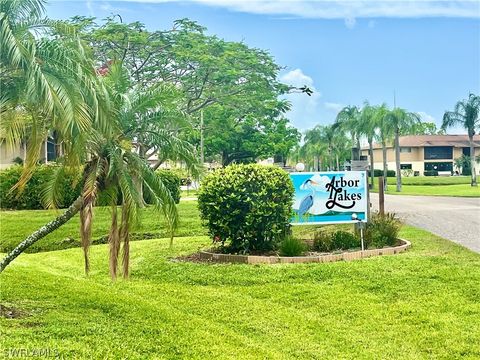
454	218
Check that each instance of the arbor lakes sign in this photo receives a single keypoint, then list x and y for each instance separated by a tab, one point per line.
329	197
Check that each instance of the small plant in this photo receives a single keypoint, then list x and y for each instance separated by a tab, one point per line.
344	240
291	246
382	230
322	240
327	241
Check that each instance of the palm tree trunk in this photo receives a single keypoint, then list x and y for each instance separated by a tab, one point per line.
472	161
397	159
337	161
42	232
384	154
372	175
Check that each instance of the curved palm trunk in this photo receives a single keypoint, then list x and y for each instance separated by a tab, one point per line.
384	155
472	161
42	232
397	160
370	150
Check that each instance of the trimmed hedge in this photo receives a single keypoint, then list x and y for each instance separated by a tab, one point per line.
247	207
379	172
31	197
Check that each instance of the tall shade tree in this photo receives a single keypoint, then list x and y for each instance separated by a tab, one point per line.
466	113
400	121
235	86
348	119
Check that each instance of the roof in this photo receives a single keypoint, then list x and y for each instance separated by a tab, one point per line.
433	140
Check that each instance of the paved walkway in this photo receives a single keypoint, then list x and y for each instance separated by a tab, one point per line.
454	218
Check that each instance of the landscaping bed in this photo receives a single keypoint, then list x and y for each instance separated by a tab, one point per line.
309	257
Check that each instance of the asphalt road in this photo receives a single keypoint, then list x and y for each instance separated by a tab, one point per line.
454	218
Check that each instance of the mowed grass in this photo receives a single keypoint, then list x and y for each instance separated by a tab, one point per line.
15	226
424	303
431	180
462	190
433	186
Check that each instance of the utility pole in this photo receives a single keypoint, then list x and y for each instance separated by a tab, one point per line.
202	156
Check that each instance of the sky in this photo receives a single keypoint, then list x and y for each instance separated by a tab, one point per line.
424	54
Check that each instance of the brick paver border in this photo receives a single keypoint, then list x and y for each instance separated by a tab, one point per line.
345	256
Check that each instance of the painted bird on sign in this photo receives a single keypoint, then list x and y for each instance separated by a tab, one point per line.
307	201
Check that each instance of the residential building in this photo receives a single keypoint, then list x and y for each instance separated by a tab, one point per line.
420	153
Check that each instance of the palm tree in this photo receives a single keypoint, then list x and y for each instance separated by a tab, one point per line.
152	119
48	82
400	120
467	114
348	119
368	128
383	136
54	87
314	147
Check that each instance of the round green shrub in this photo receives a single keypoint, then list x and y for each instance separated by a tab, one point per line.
247	207
31	197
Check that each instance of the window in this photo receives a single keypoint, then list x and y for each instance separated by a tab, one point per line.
405	149
439	166
466	151
406	166
51	151
438	152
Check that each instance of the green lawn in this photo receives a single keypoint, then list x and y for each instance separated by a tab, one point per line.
462	190
431	180
434	186
15	226
188	193
424	303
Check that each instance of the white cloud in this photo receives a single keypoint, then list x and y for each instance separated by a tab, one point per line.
335	107
343	9
426	117
304	107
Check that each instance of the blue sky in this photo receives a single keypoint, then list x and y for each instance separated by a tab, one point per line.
427	52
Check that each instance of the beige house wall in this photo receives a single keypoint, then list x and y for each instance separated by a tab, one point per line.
7	154
415	157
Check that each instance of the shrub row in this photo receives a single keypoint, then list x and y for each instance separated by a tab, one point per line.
69	189
31	197
380	231
379	172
